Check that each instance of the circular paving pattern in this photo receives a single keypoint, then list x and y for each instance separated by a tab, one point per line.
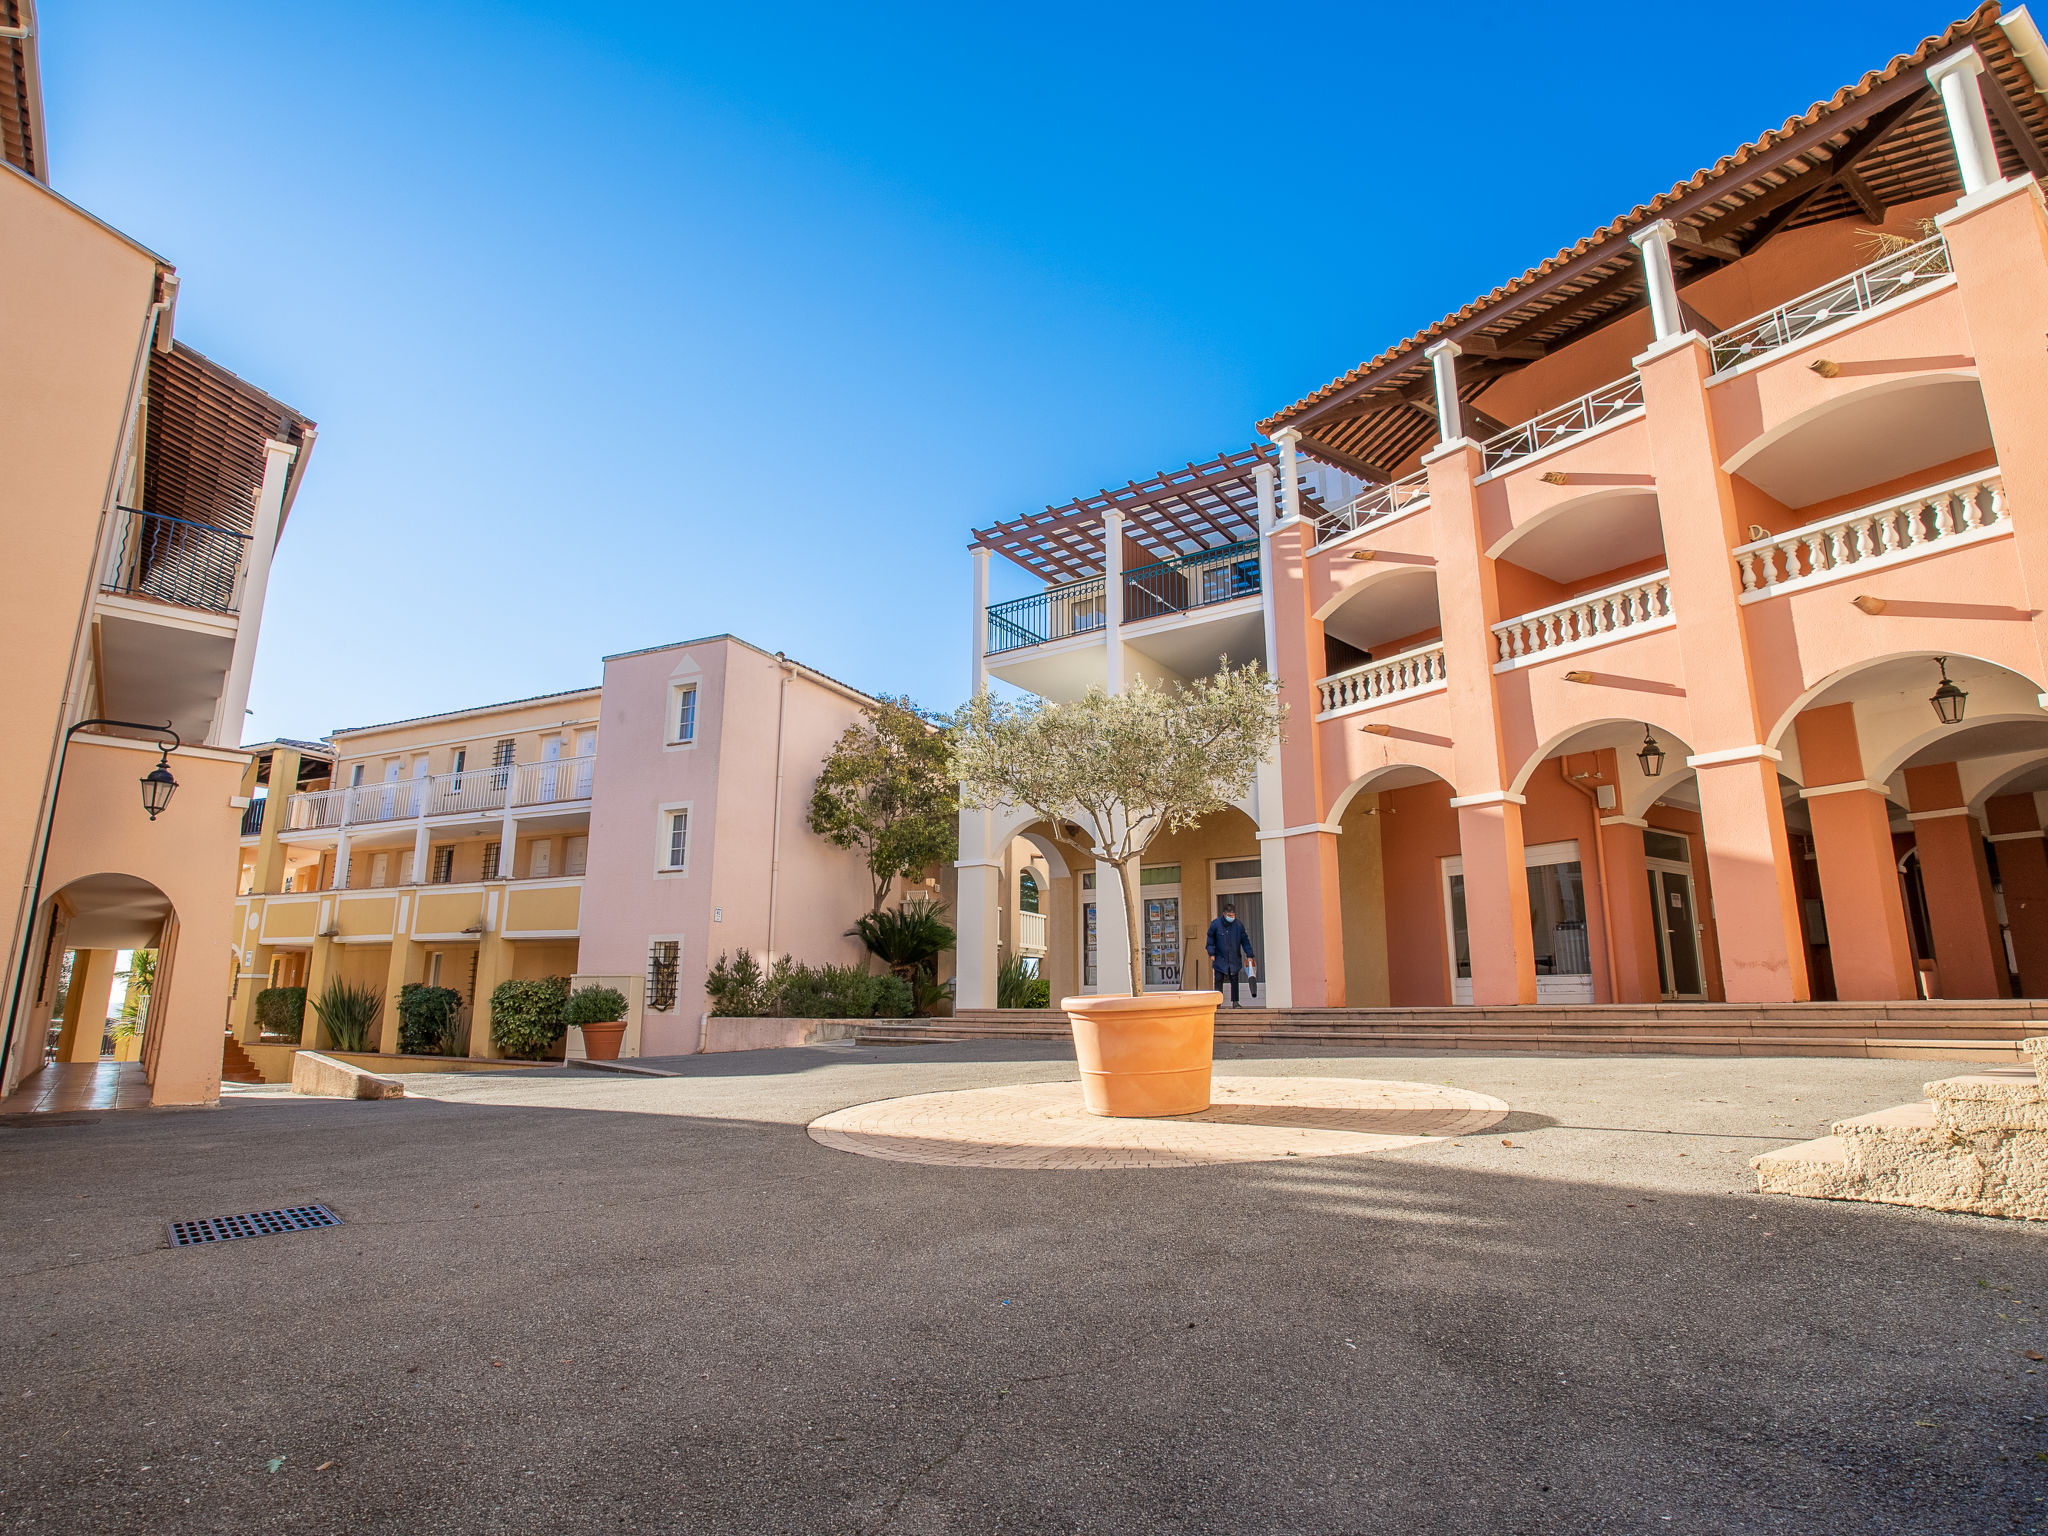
1250	1120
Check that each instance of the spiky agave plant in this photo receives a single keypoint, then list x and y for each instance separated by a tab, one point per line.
346	1013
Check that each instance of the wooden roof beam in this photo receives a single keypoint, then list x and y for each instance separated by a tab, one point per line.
2007	115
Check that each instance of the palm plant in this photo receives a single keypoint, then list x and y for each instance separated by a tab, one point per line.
907	940
346	1012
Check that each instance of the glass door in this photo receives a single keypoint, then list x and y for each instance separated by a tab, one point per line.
1681	975
1159	895
1235	882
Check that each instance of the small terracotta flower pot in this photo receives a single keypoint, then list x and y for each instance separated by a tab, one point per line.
1144	1056
601	1041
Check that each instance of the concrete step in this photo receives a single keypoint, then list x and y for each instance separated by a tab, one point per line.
235	1065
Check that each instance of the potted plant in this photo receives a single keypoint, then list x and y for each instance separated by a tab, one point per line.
600	1012
1117	770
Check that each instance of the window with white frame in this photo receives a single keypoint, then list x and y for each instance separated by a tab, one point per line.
672	850
682	714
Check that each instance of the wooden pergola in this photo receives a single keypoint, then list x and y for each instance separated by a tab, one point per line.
1180	512
1875	145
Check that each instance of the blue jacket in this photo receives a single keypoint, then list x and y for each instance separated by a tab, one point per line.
1228	941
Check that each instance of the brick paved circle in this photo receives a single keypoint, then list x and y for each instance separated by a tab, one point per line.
1250	1120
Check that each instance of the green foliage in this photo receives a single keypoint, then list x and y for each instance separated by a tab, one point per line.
1121	768
736	987
885	791
281	1011
895	998
789	989
135	1000
526	1016
927	992
1015	989
347	1013
910	938
429	1020
594	1005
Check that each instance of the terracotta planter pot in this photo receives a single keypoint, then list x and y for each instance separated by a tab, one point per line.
1144	1056
601	1041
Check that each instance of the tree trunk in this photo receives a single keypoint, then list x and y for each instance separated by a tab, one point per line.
1134	924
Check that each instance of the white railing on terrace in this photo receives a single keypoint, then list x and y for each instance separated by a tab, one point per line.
392	800
1561	422
472	792
1884	279
562	781
311	810
1031	933
1382	682
1939	517
1590	619
1372	506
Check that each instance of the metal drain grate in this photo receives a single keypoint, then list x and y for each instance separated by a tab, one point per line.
222	1229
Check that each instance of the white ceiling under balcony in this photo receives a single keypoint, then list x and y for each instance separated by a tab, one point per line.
1584	537
1869	438
1194	644
151	670
1386	609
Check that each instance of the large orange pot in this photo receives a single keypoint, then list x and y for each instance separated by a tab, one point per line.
601	1042
1147	1055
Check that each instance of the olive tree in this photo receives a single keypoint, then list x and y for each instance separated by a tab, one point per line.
1121	768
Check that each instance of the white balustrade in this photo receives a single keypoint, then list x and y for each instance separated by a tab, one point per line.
1381	682
1852	543
312	810
1375	505
386	800
551	783
1031	933
1562	422
1592	618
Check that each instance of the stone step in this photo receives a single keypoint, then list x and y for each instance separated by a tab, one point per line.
235	1063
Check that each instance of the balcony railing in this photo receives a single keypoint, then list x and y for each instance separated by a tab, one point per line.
194	565
1058	613
1898	273
252	818
1562	422
1382	682
1373	506
1031	933
1591	619
314	810
1939	517
563	781
1191	581
474	791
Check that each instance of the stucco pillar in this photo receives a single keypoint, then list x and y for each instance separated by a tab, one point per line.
1666	318
1969	957
86	1003
976	912
1297	847
1275	967
408	964
320	968
1496	878
1633	920
1999	249
1969	127
493	965
1749	857
2023	877
1113	958
270	847
1113	599
977	639
1868	943
234	699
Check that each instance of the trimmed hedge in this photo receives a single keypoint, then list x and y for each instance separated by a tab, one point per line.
281	1011
526	1016
429	1020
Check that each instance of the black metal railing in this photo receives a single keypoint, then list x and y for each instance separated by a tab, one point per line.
194	565
1054	614
1192	581
252	818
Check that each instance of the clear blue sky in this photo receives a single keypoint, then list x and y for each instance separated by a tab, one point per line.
628	323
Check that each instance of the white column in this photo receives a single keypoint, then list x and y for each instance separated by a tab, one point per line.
421	846
979	676
1112	942
1262	479
976	903
1276	975
234	702
341	860
1968	126
1655	243
508	832
1113	596
1450	411
1290	474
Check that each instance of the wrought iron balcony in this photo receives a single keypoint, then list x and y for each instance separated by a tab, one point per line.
1374	506
1057	613
252	818
1186	582
194	565
1563	422
1887	278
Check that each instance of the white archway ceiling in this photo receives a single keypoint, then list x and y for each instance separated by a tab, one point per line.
1387	610
114	912
1870	439
1601	533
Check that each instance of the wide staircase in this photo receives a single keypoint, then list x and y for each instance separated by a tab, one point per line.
1987	1031
235	1065
1977	1143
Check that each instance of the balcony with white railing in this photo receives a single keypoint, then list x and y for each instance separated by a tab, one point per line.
1942	517
562	781
473	793
1562	423
1890	277
1580	623
314	810
1031	933
1379	504
1373	683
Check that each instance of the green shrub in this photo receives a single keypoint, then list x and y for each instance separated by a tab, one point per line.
929	992
1015	988
825	992
736	987
281	1011
429	1020
347	1012
594	1005
894	998
526	1016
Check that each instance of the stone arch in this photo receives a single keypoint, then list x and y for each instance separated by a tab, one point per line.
1623	733
1603	529
1375	780
1885	430
2020	696
1403	601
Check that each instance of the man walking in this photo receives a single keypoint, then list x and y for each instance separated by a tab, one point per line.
1229	947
